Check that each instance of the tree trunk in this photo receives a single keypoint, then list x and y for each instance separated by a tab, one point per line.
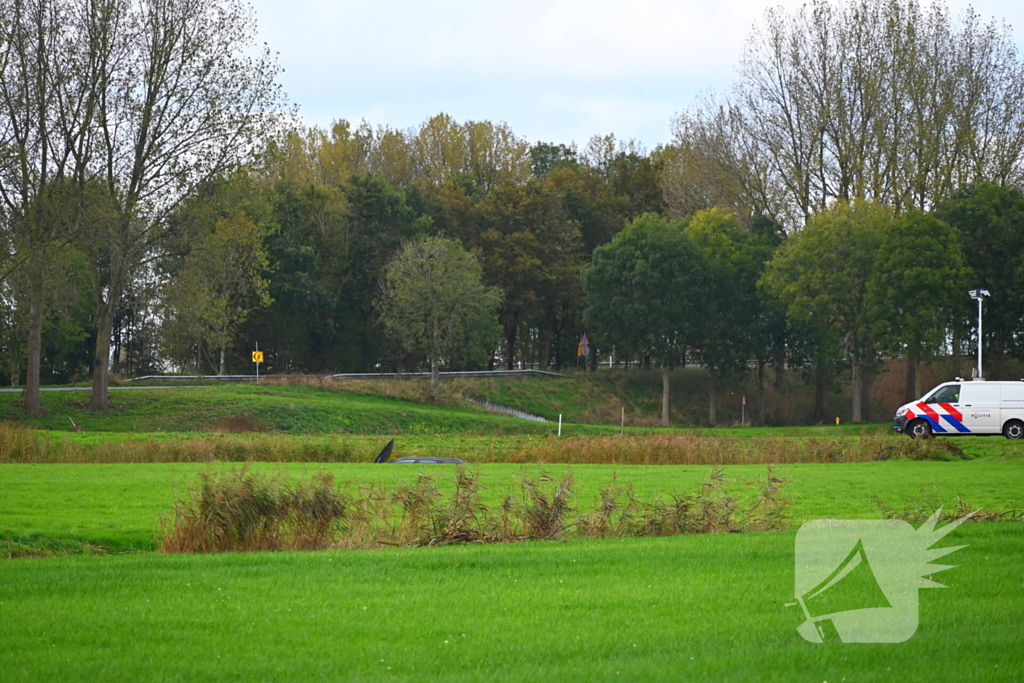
712	397
912	387
101	359
664	396
433	379
820	390
511	331
857	390
545	350
33	402
761	390
220	370
780	375
867	383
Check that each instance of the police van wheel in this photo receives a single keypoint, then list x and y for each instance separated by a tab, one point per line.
1014	429
919	429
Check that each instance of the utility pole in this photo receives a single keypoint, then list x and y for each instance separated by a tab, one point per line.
979	295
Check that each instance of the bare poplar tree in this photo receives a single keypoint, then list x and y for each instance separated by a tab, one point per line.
877	99
182	100
37	163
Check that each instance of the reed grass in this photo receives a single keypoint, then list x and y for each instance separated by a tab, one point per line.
918	509
25	445
245	510
688	449
242	510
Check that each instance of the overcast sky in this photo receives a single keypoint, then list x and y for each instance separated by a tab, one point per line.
555	71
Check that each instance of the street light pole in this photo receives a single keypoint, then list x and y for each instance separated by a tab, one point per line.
979	295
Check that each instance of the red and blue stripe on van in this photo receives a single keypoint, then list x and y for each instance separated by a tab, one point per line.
950	414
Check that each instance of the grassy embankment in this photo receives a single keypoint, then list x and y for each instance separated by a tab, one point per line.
593	399
304	423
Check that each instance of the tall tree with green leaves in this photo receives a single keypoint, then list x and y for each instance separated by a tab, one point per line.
823	273
918	290
528	248
646	293
990	220
433	301
736	258
222	280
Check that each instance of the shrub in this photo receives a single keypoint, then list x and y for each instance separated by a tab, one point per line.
243	510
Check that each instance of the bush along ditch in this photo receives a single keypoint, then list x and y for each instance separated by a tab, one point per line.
241	510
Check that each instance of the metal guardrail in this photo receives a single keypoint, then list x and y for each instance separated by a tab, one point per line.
449	375
355	375
193	378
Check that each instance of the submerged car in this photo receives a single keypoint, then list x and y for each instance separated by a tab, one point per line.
385	453
426	460
963	408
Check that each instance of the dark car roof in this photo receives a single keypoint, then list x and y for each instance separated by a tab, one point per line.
435	461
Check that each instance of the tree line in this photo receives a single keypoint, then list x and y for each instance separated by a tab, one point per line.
162	210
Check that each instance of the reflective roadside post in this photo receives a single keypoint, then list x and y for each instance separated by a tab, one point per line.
257	358
979	295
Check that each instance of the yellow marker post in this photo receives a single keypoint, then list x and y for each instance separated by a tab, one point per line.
837	422
257	358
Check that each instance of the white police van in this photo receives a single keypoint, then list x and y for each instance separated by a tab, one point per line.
965	407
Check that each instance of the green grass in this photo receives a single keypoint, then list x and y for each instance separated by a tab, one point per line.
119	507
294	410
683	608
708	608
300	405
598	398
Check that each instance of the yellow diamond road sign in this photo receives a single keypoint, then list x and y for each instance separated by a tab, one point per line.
257	356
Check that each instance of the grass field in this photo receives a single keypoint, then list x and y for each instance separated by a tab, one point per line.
683	608
703	607
119	506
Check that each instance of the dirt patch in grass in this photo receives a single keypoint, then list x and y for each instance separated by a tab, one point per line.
239	424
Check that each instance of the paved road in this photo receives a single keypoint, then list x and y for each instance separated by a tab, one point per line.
11	390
